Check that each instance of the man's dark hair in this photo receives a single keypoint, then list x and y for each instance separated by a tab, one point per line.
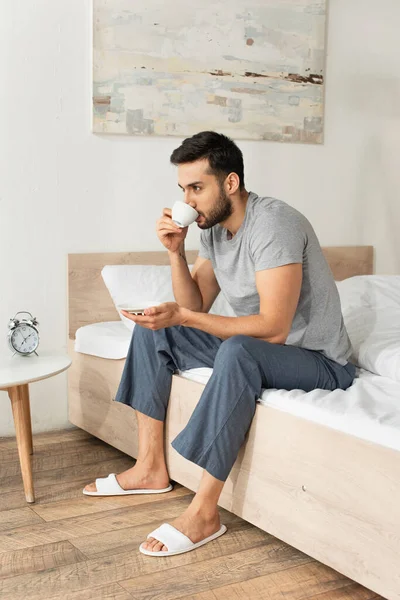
223	155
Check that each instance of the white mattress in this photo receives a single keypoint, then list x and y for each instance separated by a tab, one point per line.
369	409
106	340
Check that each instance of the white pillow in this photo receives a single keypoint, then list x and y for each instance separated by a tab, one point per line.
133	284
371	312
380	291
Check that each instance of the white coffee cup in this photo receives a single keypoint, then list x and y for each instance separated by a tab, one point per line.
183	214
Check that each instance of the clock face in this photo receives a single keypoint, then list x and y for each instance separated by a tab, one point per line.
24	339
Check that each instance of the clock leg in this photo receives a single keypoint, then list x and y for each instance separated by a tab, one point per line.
24	442
27	415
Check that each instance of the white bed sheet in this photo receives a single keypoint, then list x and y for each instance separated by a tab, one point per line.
369	409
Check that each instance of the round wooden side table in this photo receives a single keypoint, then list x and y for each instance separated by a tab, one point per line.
16	373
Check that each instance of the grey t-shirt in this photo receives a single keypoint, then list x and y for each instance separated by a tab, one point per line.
274	234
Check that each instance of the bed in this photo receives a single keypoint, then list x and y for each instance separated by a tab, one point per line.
320	471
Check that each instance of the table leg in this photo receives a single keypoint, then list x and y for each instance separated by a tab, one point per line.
18	399
27	413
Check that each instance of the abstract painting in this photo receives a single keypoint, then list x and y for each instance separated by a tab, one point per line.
252	69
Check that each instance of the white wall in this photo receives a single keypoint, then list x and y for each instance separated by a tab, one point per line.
63	189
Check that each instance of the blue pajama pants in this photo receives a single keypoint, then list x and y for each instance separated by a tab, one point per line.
241	365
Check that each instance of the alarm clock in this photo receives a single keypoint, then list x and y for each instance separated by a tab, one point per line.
23	335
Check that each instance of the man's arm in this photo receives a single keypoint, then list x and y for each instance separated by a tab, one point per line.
279	291
197	290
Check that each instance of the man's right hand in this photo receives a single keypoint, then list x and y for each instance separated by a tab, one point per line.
169	234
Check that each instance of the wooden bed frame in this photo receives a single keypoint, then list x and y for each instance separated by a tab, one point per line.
331	495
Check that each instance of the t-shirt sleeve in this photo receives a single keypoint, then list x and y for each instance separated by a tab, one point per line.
204	251
276	242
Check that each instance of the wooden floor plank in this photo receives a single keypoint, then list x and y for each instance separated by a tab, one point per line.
350	592
74	472
58	491
297	583
84	505
113	591
201	575
54	437
39	558
127	539
151	576
61	461
99	522
19	517
52	449
74	547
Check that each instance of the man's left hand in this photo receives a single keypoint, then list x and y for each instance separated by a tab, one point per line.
167	314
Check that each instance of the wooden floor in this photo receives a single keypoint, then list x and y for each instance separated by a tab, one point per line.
76	547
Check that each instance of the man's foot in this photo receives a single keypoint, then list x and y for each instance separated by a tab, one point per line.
194	524
138	477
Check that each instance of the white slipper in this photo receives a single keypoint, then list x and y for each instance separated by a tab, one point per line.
109	486
176	541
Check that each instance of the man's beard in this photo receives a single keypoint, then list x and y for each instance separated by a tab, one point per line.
221	211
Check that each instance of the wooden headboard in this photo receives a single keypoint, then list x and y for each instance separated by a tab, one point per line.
90	302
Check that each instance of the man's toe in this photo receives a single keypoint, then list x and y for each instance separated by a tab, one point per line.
91	487
154	545
159	547
149	542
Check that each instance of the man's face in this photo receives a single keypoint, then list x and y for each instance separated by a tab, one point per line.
204	193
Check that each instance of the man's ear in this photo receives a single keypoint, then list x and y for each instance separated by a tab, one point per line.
232	183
